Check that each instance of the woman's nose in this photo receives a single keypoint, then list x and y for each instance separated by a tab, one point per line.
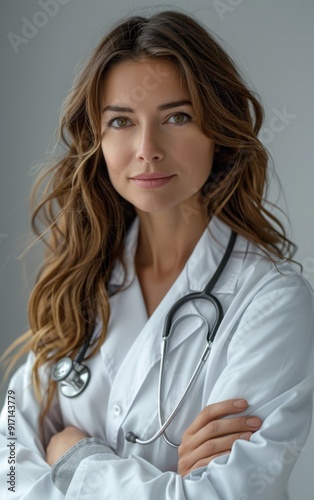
149	148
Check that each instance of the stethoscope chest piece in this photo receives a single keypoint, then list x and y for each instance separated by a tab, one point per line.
62	369
73	377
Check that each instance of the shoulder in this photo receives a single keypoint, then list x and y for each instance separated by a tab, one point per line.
271	299
275	302
262	274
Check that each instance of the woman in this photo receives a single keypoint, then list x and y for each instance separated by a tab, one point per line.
163	165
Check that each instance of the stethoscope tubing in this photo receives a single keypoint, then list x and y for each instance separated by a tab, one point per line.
210	338
165	339
136	439
193	378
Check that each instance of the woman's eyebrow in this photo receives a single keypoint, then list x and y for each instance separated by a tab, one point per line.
118	108
174	104
160	108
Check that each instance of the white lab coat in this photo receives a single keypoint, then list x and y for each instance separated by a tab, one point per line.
263	352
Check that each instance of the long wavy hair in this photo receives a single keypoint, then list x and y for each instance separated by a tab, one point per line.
85	220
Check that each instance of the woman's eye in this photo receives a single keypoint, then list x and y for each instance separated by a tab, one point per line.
179	118
119	122
124	122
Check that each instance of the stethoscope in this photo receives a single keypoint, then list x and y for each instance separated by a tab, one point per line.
74	377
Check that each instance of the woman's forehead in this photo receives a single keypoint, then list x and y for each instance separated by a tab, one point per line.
142	80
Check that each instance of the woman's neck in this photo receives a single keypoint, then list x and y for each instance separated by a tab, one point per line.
166	240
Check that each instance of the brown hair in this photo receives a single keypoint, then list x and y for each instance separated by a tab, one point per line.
85	219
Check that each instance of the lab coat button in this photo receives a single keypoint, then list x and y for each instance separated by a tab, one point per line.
117	409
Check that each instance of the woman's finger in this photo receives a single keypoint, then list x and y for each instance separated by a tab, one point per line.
222	427
210	434
209	448
216	411
208	451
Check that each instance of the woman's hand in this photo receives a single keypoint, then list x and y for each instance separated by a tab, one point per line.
62	442
209	436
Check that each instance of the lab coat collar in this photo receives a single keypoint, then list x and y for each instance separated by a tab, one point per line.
208	254
201	264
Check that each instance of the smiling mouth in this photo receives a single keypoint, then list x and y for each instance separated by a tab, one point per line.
150	176
149	182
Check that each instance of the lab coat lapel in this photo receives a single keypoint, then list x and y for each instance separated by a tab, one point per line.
128	317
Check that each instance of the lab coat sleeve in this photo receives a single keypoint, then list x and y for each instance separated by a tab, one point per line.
63	469
270	363
32	474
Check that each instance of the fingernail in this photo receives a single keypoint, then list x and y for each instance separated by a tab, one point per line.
246	435
240	403
253	422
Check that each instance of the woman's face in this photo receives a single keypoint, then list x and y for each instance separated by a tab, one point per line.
149	130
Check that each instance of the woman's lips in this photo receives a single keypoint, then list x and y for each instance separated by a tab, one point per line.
148	181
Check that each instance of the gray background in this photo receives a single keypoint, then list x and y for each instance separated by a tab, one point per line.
271	40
